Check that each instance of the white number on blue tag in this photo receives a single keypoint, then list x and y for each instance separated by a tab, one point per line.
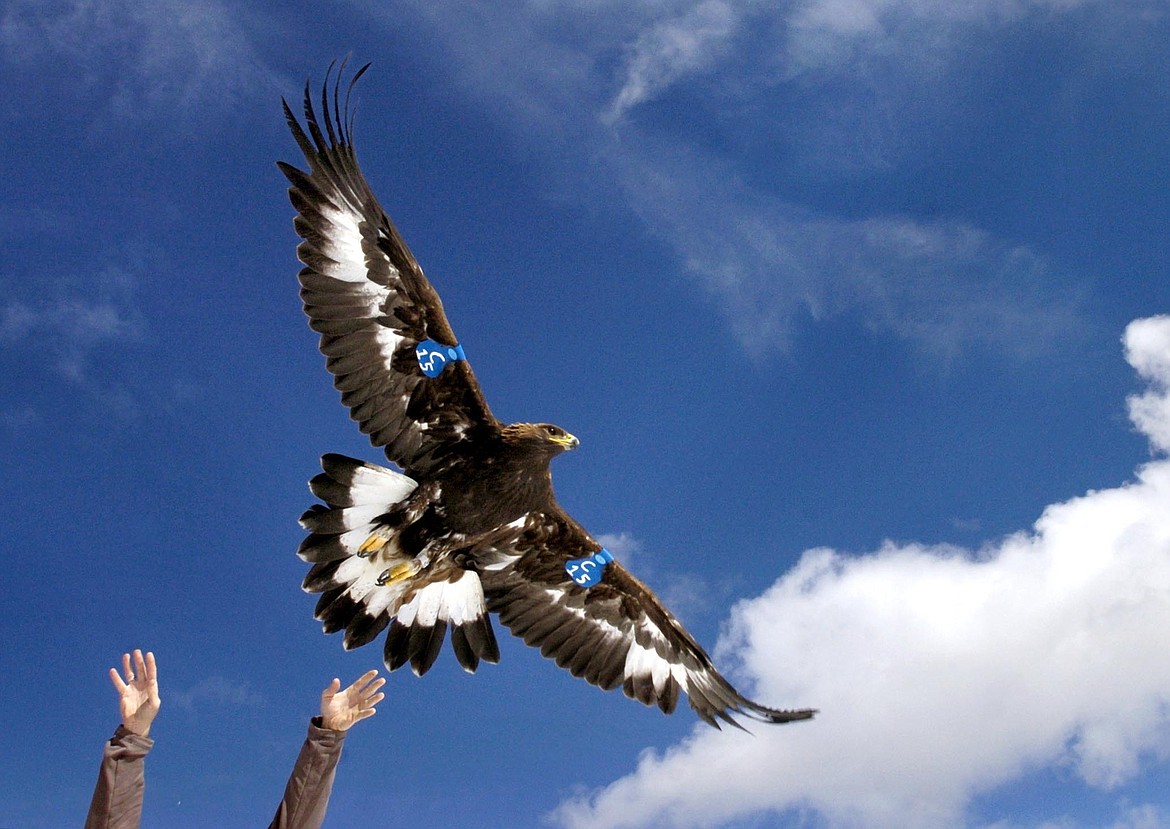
588	571
433	357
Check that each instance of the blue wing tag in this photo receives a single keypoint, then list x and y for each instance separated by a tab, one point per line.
587	572
433	358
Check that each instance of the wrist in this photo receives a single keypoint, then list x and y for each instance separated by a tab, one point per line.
328	724
137	728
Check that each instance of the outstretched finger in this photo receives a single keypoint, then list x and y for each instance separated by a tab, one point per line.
372	689
139	666
359	684
116	678
330	692
151	668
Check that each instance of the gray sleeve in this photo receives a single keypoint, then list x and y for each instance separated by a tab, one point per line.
117	797
307	794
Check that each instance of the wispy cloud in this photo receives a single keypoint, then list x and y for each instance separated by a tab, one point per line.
1146	816
70	327
624	546
685	594
769	261
144	58
943	673
59	328
74	320
677	41
215	692
944	285
824	33
672	48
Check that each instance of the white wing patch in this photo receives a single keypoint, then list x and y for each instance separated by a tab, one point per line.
343	245
388	342
642	662
344	249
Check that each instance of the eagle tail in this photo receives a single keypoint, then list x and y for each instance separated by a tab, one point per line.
350	573
451	598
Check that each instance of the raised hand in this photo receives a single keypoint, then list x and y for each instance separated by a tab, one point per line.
341	709
138	692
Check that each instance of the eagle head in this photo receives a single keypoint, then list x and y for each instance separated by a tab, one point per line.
539	438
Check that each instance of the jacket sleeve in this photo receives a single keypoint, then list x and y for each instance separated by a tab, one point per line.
117	797
307	794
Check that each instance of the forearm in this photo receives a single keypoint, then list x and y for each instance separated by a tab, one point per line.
307	794
117	797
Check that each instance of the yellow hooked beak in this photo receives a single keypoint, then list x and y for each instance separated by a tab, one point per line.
566	441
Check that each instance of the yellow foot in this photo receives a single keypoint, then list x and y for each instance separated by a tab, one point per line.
399	572
374	544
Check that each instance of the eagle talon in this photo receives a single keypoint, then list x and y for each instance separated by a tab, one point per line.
399	572
372	545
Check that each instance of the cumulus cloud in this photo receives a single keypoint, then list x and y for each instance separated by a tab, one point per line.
1147	346
942	673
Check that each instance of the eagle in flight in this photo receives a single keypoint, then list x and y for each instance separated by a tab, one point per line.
470	526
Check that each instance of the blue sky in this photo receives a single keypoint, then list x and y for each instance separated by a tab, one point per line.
837	295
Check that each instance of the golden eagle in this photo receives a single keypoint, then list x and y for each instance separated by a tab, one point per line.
471	525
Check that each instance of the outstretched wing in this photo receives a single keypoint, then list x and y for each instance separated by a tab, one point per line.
367	297
616	633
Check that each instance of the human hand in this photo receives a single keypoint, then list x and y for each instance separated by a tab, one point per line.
138	693
340	710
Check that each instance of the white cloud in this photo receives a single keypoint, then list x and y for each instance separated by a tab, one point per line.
1143	817
673	44
1147	345
942	673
